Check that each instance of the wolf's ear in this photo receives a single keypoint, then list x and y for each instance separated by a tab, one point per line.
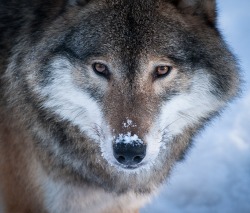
78	2
205	9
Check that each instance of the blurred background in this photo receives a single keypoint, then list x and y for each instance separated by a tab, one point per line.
215	177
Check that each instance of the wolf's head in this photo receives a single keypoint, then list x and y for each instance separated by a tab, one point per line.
114	90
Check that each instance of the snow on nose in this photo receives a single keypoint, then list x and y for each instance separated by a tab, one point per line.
129	150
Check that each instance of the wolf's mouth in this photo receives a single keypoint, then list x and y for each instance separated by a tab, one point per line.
130	167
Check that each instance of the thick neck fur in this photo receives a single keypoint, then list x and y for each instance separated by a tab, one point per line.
48	195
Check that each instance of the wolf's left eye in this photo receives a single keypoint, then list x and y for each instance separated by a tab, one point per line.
162	71
101	69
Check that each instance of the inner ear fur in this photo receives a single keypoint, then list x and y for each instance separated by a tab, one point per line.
205	9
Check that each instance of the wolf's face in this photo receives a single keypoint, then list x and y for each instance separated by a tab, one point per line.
116	90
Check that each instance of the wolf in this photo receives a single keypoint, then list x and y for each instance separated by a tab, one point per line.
99	99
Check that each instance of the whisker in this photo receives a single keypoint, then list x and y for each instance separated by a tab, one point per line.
163	130
186	116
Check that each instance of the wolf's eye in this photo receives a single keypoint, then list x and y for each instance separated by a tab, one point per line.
101	69
162	71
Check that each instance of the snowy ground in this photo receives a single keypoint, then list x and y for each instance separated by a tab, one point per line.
216	174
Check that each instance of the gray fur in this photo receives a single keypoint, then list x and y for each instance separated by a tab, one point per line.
128	34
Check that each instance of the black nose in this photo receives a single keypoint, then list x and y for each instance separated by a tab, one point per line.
129	154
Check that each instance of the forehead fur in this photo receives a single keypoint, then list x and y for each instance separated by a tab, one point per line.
129	32
132	29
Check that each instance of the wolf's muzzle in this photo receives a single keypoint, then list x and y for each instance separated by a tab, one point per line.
129	154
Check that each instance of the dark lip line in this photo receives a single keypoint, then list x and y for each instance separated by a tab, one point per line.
129	167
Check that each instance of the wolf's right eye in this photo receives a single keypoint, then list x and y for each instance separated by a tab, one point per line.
162	71
101	69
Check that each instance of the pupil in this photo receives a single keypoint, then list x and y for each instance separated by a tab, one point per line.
100	67
163	69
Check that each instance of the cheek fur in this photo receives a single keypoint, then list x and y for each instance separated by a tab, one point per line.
71	103
183	111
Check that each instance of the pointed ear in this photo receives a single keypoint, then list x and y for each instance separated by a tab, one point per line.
78	2
205	9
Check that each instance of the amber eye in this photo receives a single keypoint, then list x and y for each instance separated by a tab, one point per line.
101	69
162	71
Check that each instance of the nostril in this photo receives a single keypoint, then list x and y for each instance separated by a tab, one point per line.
138	159
121	159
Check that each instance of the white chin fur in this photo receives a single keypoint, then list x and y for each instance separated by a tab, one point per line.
72	104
